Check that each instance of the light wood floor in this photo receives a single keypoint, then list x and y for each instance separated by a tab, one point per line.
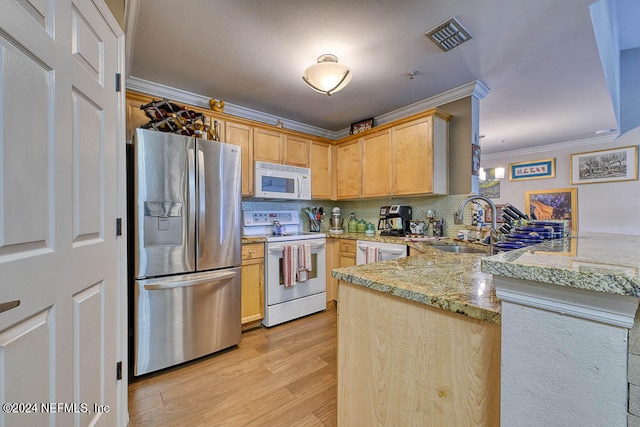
282	376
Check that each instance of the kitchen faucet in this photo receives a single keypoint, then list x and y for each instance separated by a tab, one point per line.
458	216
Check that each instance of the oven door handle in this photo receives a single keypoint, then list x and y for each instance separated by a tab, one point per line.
384	251
279	250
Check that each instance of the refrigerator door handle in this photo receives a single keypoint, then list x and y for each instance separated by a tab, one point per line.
202	199
191	218
162	284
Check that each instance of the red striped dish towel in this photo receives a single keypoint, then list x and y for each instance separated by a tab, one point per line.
304	261
373	254
289	265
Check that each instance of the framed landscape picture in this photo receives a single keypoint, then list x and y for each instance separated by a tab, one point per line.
532	170
554	204
490	187
618	164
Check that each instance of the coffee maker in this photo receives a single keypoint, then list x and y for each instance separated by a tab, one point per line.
394	220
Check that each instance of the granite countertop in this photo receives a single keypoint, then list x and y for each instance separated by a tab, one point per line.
440	279
593	261
253	239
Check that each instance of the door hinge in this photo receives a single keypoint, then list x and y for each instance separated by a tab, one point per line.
118	82
118	227
119	371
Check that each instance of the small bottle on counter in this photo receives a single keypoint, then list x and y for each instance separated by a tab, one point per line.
438	227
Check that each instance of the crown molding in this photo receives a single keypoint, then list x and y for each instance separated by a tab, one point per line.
476	89
179	95
546	148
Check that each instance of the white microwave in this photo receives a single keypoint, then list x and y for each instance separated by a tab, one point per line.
275	181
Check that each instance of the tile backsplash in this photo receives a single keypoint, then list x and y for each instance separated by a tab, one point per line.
369	209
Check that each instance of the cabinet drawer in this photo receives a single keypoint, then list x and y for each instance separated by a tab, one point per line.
252	251
348	246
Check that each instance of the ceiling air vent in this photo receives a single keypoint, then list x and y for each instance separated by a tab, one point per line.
448	35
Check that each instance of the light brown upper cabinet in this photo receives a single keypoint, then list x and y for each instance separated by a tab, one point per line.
349	175
376	164
420	157
267	146
242	135
296	151
320	164
409	158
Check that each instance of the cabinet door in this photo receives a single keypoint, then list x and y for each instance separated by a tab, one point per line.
252	306
413	143
349	175
241	135
217	127
296	152
376	164
135	118
347	259
267	146
320	163
332	262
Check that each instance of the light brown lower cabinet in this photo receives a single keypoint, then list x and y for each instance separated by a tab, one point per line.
252	307
404	363
346	258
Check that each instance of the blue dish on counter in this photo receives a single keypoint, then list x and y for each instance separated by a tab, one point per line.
507	246
525	238
543	232
558	227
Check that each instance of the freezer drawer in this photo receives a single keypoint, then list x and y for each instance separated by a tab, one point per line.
180	318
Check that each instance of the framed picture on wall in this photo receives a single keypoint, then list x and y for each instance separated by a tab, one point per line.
618	164
560	204
475	159
532	170
361	126
487	214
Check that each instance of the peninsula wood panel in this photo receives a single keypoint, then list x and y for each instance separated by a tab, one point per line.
407	364
376	165
349	174
413	171
320	163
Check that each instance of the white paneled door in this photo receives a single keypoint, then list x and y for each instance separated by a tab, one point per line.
59	158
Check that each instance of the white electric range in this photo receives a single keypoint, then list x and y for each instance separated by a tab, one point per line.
305	297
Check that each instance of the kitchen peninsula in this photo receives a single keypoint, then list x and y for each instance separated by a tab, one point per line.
420	339
418	342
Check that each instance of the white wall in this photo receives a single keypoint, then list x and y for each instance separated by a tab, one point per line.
608	208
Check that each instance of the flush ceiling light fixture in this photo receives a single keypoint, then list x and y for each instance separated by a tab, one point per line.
448	35
327	76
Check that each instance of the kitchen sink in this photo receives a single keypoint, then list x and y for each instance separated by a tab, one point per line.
460	249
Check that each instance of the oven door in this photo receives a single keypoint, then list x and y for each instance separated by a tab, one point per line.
316	283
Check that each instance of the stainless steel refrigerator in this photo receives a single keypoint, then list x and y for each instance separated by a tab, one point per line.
187	249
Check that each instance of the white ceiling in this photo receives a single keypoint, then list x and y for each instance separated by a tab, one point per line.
538	58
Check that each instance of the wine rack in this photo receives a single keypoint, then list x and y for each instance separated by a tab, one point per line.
166	116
